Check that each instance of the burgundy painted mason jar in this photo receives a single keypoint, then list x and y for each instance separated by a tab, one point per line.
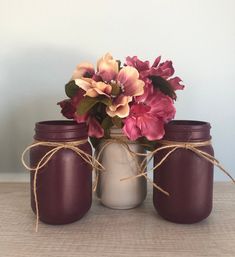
64	184
186	176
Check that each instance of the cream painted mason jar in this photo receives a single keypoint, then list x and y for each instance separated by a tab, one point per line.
118	164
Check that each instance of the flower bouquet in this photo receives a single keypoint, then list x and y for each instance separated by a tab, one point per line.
136	97
125	108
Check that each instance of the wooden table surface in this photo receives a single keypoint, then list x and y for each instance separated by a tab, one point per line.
112	233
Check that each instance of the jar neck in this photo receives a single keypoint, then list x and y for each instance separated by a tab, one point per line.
116	132
60	131
187	131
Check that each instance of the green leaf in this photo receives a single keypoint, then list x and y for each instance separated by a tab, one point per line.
106	125
105	100
164	86
71	88
86	104
107	122
117	121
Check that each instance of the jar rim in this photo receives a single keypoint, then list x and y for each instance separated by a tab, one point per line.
59	130
59	123
187	124
187	130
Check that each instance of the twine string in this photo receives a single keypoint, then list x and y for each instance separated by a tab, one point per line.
124	142
57	146
173	146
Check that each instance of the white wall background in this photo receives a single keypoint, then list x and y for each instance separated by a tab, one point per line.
41	41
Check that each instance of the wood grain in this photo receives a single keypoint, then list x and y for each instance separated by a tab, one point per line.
104	232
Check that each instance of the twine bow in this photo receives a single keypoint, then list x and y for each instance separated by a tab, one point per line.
56	146
124	142
174	145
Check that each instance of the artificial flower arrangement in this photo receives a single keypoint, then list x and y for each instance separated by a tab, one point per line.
136	97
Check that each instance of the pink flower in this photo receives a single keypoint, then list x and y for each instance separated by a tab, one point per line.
164	70
94	127
147	117
138	64
69	107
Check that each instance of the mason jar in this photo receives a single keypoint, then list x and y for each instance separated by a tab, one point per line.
120	160
64	184
185	175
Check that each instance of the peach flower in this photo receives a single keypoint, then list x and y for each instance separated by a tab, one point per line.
107	67
120	107
93	88
84	69
128	79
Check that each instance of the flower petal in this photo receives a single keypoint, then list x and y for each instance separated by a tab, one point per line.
151	127
107	67
94	128
123	111
93	88
175	83
130	129
84	69
128	78
99	88
120	107
157	61
164	70
148	90
92	92
139	89
137	63
84	83
162	106
103	87
67	108
127	75
80	118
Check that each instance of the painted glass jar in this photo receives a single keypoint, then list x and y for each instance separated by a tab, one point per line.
64	184
120	160
187	176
